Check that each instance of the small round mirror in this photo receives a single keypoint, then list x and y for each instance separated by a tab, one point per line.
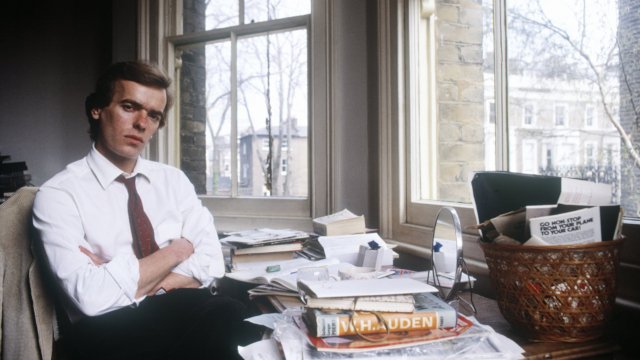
447	261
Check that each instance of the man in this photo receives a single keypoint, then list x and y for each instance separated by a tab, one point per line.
129	242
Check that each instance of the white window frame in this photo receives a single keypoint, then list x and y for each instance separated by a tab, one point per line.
159	33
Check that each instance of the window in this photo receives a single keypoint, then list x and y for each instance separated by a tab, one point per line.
590	155
589	116
560	115
528	115
530	157
245	82
242	74
538	63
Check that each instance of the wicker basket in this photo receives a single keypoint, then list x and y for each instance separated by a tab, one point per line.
555	293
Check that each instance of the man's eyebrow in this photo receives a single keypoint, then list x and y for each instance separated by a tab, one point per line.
137	105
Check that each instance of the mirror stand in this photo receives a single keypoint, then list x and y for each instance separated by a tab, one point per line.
447	261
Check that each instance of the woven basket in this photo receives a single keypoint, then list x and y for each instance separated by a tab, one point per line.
555	293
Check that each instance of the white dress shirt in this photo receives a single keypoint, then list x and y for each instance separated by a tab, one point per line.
84	205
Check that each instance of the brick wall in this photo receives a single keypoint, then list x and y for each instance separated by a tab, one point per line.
629	42
193	101
460	95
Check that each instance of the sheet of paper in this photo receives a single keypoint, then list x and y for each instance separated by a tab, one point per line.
261	350
575	227
583	192
346	247
266	320
368	287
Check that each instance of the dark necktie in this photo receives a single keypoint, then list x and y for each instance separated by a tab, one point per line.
143	240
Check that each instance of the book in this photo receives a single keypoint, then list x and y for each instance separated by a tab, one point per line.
430	313
388	303
341	223
288	247
355	344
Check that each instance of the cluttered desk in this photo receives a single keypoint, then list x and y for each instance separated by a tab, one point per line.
339	295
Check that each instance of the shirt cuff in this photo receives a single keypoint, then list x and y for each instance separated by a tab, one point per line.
125	271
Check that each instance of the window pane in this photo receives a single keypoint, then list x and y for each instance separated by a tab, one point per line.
200	15
564	60
272	114
263	10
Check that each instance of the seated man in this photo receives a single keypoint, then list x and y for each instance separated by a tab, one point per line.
129	242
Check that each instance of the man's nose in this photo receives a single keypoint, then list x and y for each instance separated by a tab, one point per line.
141	120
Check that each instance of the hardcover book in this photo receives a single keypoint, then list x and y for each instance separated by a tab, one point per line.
430	313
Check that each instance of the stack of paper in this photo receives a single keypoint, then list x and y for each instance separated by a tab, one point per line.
251	248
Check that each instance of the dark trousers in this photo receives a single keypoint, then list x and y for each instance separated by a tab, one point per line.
182	324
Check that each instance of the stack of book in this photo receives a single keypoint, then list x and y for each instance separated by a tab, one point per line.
254	248
377	314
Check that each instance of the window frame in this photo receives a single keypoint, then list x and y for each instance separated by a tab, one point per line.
160	33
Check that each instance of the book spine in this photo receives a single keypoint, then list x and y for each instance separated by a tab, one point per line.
340	324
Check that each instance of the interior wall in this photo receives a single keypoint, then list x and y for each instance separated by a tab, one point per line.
349	100
52	52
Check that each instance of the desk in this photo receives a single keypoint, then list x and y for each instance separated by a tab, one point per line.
489	314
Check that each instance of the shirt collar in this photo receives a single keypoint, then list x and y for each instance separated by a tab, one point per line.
106	172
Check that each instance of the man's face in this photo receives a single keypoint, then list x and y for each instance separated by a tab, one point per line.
129	122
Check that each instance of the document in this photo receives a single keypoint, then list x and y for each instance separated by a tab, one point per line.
575	227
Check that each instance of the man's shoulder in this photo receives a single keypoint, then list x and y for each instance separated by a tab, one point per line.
72	173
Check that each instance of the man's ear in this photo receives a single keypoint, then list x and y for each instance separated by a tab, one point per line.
95	113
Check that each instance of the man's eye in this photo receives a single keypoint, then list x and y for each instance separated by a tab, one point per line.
155	117
128	107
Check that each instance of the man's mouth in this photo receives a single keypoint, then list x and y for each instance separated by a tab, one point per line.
134	138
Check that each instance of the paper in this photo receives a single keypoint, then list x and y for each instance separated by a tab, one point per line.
368	287
261	350
346	247
574	191
259	275
575	227
266	320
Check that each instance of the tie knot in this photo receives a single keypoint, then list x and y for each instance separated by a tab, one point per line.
130	183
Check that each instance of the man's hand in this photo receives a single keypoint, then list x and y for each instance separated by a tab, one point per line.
175	281
94	258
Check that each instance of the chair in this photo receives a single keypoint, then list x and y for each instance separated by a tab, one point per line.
27	310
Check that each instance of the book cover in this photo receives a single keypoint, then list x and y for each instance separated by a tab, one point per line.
355	344
430	313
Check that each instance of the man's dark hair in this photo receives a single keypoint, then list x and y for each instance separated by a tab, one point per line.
137	71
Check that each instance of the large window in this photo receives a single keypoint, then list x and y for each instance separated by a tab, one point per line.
245	121
546	69
244	97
